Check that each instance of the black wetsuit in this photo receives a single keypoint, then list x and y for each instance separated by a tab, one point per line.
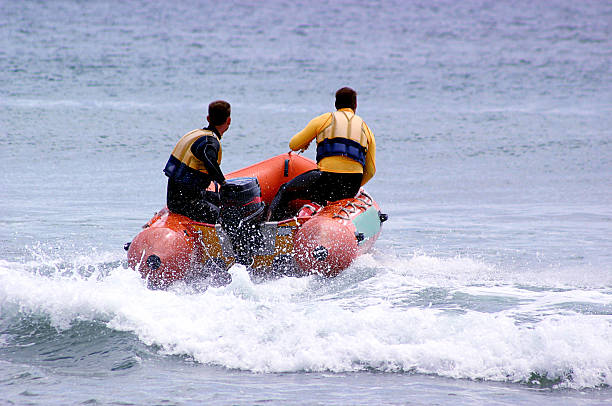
317	186
187	194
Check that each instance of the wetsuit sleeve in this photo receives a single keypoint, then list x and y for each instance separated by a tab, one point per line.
206	149
370	164
302	139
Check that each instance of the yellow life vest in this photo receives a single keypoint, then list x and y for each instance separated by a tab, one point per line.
185	167
344	136
182	150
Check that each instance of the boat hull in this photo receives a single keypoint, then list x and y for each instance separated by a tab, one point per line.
317	240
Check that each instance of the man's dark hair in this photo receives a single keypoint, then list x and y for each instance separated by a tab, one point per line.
218	112
346	98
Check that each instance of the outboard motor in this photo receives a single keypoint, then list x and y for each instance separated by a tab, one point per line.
241	211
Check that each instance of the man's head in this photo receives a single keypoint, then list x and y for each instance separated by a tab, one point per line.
346	98
219	113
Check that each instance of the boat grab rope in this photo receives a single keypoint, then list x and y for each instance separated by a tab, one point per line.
364	194
315	210
351	207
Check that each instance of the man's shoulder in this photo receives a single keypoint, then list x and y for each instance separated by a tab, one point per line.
202	133
193	134
322	120
208	137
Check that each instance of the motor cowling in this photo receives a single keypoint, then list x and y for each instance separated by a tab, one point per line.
241	200
242	209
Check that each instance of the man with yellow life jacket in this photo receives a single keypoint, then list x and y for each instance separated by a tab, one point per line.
346	157
194	163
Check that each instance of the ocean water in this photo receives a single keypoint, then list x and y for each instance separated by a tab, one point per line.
490	284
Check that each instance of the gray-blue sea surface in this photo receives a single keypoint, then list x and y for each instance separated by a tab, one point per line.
490	284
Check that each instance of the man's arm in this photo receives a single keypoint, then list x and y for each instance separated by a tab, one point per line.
370	164
206	149
302	139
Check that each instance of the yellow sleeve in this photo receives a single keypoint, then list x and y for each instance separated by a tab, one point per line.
370	165
302	139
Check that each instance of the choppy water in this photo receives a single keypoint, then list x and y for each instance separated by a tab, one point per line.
491	283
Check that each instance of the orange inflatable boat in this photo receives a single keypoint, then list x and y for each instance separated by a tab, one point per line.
321	240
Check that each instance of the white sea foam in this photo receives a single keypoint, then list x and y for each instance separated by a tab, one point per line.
359	321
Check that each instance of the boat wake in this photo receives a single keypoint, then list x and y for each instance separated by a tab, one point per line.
452	317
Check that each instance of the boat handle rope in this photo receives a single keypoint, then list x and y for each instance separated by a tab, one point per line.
311	207
363	193
365	204
349	209
354	206
339	216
